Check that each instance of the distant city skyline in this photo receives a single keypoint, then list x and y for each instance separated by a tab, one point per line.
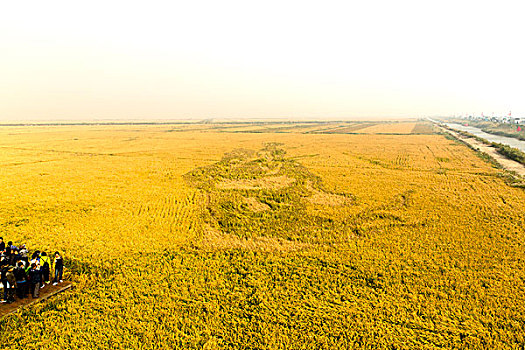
158	60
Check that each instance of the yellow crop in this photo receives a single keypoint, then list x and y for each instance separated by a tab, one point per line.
264	236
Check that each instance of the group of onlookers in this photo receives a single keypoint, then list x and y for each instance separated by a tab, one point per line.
23	276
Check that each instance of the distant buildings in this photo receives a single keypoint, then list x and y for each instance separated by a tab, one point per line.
519	120
508	119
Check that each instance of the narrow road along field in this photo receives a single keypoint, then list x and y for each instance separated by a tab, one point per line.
505	162
45	293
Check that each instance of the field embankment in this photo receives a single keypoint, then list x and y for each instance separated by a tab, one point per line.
509	158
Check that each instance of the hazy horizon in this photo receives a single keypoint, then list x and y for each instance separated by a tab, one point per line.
212	119
278	60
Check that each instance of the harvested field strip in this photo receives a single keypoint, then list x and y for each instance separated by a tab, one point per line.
341	129
284	128
390	128
314	127
279	127
323	128
357	127
299	128
423	128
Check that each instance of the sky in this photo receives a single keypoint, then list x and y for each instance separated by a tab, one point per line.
69	60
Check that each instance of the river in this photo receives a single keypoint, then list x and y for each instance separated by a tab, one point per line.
489	137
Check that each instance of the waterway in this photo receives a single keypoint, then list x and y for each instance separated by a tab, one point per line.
519	144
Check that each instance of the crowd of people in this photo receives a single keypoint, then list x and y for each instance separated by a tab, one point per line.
23	275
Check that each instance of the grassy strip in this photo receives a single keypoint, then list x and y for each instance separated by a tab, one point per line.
503	133
510	152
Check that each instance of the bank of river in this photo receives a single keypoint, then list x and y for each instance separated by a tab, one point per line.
509	141
505	162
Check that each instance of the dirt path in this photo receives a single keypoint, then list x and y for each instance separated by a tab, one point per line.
505	162
45	293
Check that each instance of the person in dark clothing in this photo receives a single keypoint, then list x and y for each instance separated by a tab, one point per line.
35	276
3	279
21	280
59	269
15	255
3	259
11	284
8	252
11	252
2	244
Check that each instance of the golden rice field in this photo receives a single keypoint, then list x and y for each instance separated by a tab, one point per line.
266	236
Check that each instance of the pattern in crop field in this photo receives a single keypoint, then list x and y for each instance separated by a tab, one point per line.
393	241
171	209
266	194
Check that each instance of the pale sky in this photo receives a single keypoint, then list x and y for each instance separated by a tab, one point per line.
297	59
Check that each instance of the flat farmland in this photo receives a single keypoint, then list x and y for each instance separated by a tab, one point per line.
238	236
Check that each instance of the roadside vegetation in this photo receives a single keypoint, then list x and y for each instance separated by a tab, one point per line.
510	152
505	150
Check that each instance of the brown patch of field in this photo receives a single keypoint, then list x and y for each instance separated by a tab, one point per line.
423	128
321	128
355	127
270	182
335	130
390	128
299	128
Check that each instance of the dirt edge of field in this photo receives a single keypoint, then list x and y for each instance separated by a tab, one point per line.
45	293
506	163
